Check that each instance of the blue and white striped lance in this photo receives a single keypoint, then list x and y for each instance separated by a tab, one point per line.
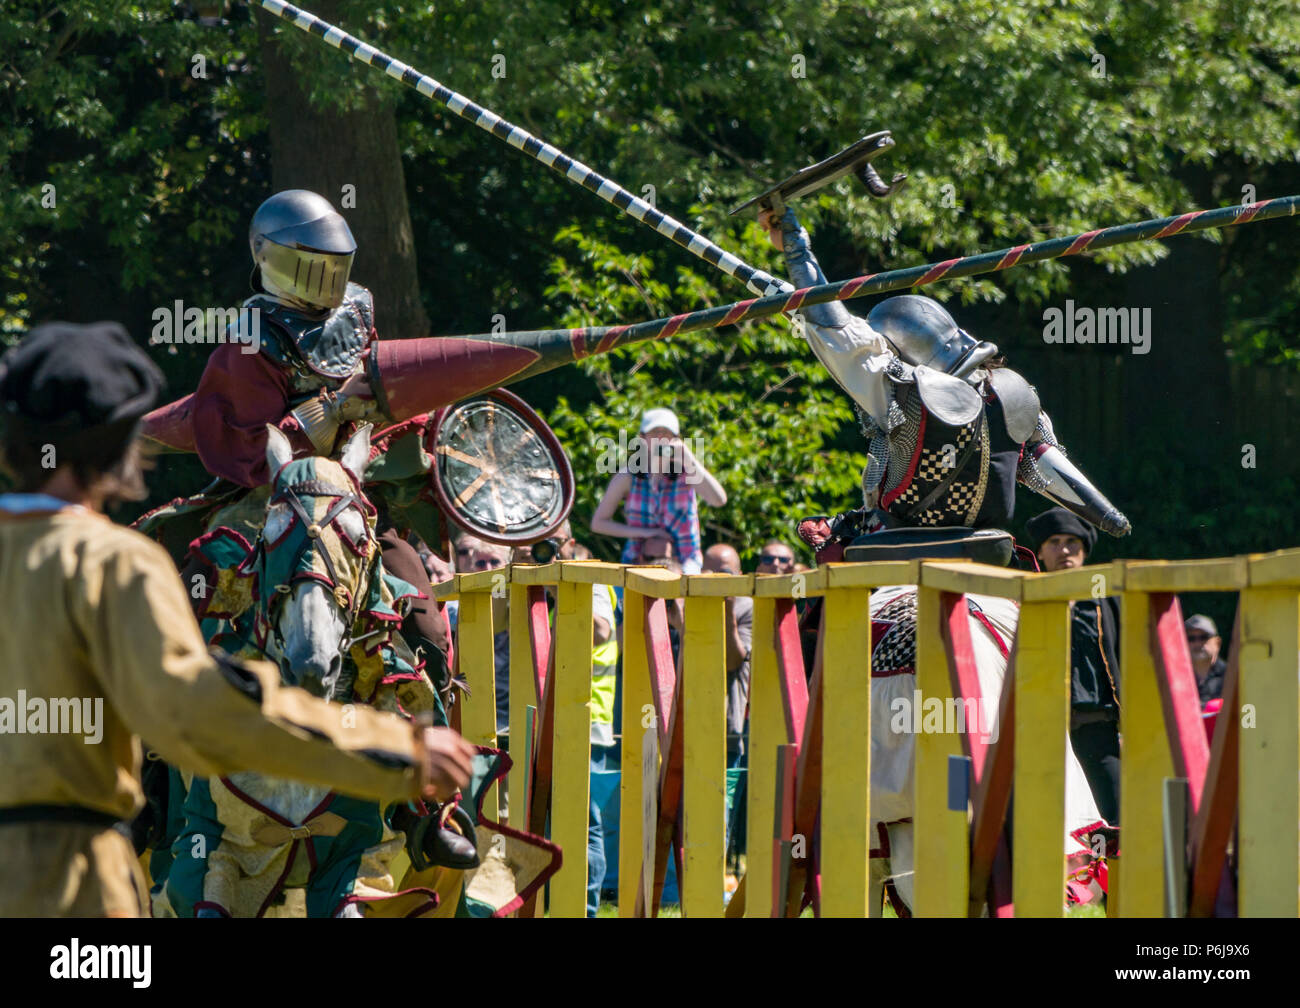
755	279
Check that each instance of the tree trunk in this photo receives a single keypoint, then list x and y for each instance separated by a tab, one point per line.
352	158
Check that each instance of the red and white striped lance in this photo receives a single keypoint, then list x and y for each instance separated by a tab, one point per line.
419	375
414	376
539	150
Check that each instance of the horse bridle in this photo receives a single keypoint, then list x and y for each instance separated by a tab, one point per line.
370	550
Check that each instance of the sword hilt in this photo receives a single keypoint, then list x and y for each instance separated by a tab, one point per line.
869	177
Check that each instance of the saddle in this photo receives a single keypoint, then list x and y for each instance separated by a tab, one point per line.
871	535
988	546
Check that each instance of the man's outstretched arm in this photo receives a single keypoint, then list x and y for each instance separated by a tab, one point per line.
220	717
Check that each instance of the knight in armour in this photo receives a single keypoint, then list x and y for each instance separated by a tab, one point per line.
950	428
308	378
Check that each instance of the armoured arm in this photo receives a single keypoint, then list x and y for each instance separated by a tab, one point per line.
320	418
856	356
238	395
1045	469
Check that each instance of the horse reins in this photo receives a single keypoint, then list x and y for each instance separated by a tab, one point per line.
346	499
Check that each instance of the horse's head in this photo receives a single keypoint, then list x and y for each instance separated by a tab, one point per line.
315	560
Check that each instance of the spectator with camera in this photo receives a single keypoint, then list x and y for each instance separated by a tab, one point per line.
658	488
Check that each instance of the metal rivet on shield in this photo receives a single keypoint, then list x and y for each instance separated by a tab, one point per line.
313	530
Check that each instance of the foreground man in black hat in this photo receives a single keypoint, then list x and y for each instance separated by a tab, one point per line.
1064	541
103	649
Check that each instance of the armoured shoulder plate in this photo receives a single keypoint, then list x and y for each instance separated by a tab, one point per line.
955	401
1019	401
328	345
952	400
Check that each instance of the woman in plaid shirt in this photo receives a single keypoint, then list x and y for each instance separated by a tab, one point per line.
659	498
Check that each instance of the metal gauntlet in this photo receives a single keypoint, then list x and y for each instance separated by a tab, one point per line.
321	417
805	271
1045	469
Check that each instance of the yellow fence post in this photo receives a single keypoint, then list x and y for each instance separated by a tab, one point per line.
1269	830
1145	763
942	846
478	719
523	693
636	698
846	733
766	732
704	751
1042	719
571	788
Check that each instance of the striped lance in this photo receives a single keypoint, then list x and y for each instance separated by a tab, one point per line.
415	376
539	150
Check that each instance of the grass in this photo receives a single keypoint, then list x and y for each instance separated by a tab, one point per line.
666	910
673	910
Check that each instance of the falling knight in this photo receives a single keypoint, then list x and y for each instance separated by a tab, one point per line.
951	429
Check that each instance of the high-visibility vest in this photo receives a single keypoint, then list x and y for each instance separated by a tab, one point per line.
604	666
604	680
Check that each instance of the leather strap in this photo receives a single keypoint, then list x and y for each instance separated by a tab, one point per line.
273	834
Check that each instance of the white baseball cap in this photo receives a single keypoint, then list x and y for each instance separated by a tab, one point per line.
660	417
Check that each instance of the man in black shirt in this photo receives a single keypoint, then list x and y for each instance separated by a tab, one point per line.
1204	643
1064	542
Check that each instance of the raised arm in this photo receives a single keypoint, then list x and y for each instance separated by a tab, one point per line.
707	487
856	356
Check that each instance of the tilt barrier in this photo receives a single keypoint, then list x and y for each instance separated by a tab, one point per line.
810	746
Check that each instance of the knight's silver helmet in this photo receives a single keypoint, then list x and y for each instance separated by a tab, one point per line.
923	332
302	249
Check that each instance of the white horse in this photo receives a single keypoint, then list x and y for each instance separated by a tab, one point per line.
893	738
327	617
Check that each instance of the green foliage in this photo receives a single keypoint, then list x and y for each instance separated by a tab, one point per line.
761	410
1014	122
145	157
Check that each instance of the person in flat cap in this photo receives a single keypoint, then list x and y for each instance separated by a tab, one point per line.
1204	644
73	396
1063	542
103	649
1064	538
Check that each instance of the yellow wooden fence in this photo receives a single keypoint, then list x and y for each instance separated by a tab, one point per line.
1266	798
